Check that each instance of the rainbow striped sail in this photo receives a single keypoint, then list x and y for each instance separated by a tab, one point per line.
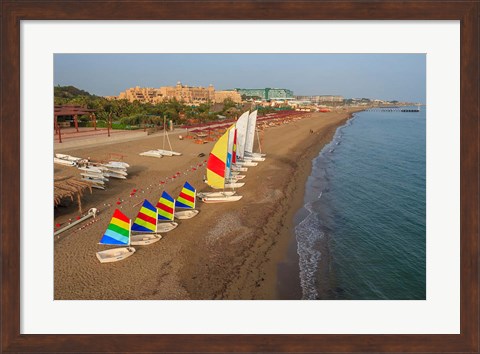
118	231
166	207
186	199
217	162
146	220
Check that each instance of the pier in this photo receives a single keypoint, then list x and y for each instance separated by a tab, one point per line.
393	109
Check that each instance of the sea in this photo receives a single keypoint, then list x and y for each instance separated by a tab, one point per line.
361	234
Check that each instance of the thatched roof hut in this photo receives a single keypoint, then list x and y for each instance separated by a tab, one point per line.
69	187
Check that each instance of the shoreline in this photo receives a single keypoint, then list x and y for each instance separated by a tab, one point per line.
227	252
288	268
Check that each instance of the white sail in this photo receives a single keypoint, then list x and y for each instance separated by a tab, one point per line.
241	125
252	123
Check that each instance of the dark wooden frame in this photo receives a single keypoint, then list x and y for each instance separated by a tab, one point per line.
467	12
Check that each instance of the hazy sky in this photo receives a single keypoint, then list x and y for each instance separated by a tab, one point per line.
383	76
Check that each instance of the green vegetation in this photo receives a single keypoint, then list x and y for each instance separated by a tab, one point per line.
128	115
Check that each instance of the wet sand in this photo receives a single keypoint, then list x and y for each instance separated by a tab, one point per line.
229	251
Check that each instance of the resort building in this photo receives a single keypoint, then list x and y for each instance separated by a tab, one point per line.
141	94
266	94
188	94
320	99
221	96
183	93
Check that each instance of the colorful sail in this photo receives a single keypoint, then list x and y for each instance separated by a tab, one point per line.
118	231
216	163
146	220
251	126
231	136
234	150
241	125
166	207
186	198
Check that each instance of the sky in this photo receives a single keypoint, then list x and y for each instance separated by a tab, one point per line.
400	77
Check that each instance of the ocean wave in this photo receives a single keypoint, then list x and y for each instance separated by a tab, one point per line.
309	237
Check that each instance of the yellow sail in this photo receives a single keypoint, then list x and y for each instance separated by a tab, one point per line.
217	162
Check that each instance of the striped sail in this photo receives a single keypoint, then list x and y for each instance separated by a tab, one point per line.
118	231
216	163
146	220
234	150
186	198
166	207
252	123
241	125
231	136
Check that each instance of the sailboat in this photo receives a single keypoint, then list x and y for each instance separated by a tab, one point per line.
166	210
242	127
250	137
117	233
186	200
165	137
232	176
144	229
218	167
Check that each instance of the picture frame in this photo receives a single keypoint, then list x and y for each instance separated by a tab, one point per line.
467	12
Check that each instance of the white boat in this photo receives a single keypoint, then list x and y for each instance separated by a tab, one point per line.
95	177
91	169
64	162
254	154
119	171
115	254
234	185
151	153
68	157
168	152
239	169
186	200
186	214
144	228
166	210
116	164
246	163
237	177
256	158
93	180
164	227
118	233
215	194
221	199
114	175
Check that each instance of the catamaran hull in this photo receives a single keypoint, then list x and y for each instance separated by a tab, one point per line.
186	214
224	199
246	163
64	162
151	154
215	194
144	239
115	254
254	154
168	152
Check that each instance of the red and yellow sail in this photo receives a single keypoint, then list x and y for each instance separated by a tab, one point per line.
217	162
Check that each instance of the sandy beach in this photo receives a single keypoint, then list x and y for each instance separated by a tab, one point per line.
229	251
